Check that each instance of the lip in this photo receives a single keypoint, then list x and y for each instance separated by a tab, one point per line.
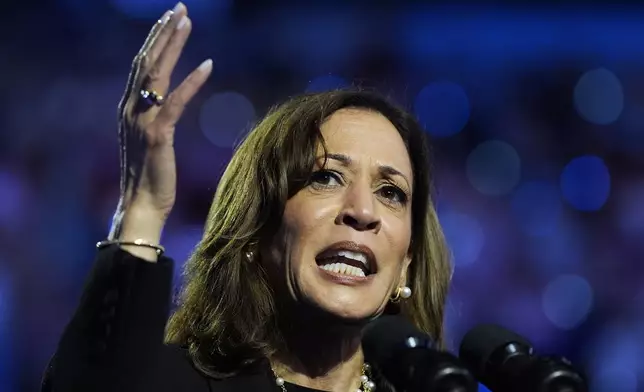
353	247
346	280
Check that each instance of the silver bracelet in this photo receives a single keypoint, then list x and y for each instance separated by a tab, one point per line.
138	242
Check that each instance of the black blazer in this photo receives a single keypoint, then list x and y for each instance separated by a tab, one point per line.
114	342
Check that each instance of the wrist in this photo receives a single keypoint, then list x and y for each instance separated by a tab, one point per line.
139	224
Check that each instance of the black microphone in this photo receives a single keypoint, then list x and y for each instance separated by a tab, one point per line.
405	357
504	362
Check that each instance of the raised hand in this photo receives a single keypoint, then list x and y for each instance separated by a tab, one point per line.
148	113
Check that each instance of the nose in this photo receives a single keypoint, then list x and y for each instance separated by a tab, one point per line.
359	210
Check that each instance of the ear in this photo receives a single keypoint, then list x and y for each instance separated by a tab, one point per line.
394	307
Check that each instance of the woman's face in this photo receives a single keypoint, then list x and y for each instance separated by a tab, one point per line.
344	239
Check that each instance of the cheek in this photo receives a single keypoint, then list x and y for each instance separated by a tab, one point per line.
399	240
274	251
301	227
399	234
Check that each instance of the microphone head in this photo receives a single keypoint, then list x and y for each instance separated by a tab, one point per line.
384	336
504	362
482	346
406	357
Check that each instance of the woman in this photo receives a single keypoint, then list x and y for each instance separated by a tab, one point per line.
321	222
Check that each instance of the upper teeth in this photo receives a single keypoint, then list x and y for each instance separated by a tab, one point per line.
361	257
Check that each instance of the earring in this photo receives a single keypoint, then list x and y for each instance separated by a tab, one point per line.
401	292
249	255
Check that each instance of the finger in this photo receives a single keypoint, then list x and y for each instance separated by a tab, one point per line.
161	72
138	58
148	77
148	73
154	31
158	77
175	104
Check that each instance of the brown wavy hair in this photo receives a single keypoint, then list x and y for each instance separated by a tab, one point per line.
226	316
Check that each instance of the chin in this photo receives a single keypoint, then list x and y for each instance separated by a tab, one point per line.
336	298
354	315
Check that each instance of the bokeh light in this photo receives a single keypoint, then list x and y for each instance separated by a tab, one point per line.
464	236
442	108
326	83
537	206
567	300
599	96
585	183
494	168
225	118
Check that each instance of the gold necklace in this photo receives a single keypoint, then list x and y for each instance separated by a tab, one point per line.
366	385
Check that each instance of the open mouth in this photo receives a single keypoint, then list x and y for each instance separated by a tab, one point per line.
357	261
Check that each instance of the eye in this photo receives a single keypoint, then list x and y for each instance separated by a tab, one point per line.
393	194
325	179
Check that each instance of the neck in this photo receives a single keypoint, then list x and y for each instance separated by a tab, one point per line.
319	352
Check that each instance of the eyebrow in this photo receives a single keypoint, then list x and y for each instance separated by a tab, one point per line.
384	170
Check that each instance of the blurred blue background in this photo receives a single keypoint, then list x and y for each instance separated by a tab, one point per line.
536	113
